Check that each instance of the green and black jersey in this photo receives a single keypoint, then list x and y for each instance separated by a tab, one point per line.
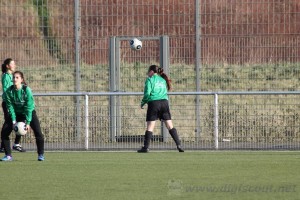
19	102
155	89
7	81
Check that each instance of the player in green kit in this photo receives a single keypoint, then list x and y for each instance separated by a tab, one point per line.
8	67
155	95
20	104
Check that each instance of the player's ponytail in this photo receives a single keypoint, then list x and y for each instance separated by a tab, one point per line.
160	71
5	63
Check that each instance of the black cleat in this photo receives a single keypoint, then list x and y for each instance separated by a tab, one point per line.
143	150
180	149
19	148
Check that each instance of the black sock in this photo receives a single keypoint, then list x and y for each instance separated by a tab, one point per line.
17	139
148	136
173	133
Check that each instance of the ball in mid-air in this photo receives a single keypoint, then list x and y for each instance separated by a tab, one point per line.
135	44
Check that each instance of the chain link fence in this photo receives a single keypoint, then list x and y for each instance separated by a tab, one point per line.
215	45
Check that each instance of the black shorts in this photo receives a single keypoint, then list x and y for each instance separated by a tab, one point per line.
158	109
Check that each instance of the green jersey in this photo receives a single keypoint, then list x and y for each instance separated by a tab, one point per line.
19	102
155	89
7	81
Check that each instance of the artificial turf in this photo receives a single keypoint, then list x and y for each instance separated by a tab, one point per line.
155	175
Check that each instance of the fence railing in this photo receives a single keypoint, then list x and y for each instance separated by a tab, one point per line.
224	130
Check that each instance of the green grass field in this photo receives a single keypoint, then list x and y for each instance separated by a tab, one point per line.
156	175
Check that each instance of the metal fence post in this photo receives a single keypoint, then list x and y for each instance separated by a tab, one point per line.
77	65
86	120
117	87
216	121
112	88
164	62
198	68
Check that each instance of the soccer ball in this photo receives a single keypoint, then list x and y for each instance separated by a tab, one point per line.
20	128
135	44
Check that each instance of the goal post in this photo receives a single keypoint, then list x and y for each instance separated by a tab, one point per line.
115	77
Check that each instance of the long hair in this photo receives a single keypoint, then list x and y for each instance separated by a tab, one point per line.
160	71
22	76
5	63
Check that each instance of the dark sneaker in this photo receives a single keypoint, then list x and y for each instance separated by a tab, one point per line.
143	150
180	149
19	148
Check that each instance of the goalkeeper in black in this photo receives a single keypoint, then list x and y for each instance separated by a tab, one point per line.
155	95
20	105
